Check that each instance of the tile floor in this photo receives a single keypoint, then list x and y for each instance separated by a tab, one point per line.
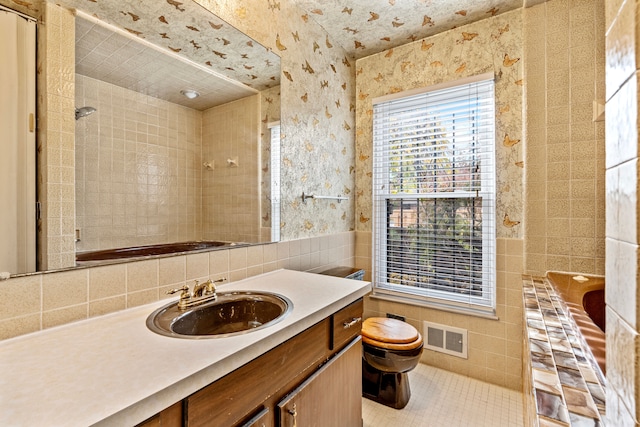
441	398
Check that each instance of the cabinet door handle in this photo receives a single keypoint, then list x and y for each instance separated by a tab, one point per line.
354	320
294	414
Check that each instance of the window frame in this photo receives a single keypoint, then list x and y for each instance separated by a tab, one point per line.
484	305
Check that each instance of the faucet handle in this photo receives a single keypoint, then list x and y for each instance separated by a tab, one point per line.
210	286
185	296
184	291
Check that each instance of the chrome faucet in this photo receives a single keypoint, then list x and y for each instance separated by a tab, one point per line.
202	292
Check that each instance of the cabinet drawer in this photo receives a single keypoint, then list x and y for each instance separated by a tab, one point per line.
346	324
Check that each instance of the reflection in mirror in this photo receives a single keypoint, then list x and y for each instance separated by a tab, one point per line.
172	154
154	164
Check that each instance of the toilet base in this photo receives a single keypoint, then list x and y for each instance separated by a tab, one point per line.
388	388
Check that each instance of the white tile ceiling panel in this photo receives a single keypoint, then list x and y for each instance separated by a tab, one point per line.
192	32
118	58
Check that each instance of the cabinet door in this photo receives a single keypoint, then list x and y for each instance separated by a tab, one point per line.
262	419
332	396
235	396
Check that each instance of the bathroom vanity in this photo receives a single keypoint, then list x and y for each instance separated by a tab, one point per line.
288	385
112	370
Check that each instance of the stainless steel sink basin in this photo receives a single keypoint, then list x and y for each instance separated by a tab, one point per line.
232	313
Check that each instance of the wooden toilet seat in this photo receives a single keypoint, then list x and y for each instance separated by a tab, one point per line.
390	334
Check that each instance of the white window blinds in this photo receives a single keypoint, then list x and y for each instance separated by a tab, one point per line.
274	161
434	195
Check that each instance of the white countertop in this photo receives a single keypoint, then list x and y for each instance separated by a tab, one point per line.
112	370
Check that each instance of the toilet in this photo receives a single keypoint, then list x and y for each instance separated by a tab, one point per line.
390	349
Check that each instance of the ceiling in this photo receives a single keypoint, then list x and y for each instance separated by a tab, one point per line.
146	46
105	53
366	27
362	28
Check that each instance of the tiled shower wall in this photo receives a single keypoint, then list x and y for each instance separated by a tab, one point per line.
231	191
138	169
564	156
67	296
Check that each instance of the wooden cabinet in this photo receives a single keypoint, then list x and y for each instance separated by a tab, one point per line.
319	370
234	397
332	396
170	417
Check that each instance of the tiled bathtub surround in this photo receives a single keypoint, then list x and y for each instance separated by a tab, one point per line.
562	384
41	301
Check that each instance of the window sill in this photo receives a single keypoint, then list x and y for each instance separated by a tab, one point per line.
467	311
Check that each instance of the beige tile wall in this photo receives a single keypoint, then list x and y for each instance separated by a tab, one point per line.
40	301
564	159
231	194
138	169
494	346
55	136
622	272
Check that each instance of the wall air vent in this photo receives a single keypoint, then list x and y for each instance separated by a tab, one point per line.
445	339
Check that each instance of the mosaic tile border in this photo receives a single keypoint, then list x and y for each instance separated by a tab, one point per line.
563	385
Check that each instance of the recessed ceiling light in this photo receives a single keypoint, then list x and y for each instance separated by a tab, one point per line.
191	94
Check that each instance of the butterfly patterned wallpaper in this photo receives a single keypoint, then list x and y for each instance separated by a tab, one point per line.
491	45
317	123
33	8
319	97
365	28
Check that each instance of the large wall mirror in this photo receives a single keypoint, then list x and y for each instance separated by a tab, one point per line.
175	112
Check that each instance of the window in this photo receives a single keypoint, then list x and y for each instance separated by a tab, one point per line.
275	180
434	195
